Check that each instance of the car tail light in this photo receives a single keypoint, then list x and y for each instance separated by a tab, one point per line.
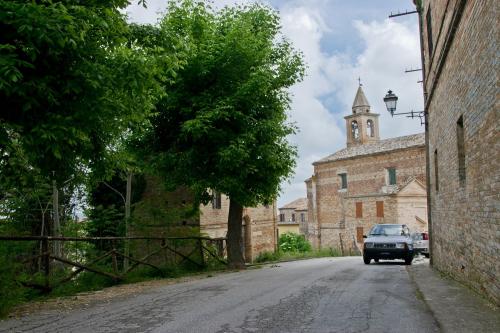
425	236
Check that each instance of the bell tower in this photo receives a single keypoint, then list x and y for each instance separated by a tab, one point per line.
361	125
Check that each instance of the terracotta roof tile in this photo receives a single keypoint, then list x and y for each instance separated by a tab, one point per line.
382	146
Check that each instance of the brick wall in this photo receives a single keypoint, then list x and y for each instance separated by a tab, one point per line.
462	81
162	213
332	210
259	229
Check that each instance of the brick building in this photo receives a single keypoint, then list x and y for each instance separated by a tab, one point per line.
172	214
259	225
370	181
293	217
460	55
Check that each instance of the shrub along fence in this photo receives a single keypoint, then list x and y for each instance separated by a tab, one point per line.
43	266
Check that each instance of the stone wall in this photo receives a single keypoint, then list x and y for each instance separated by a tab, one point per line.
169	214
259	229
462	81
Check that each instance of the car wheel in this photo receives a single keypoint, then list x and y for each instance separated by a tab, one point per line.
426	255
376	260
366	260
408	261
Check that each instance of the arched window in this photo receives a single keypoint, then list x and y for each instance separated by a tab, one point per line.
354	129
370	131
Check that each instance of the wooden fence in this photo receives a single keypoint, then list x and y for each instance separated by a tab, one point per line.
200	249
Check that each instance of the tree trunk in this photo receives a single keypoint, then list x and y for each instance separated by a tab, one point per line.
234	228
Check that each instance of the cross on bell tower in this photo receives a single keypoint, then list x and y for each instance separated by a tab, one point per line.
362	125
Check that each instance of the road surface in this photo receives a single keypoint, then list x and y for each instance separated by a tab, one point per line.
317	295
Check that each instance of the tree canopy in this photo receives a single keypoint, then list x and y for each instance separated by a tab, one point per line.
223	125
71	84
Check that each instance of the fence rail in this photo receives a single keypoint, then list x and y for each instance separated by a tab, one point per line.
193	250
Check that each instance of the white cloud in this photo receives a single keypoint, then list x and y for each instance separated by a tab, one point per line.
389	48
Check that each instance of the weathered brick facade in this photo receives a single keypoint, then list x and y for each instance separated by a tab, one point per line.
460	48
259	226
293	217
162	213
353	189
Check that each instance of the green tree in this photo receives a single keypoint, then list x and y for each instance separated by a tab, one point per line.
223	125
71	83
74	84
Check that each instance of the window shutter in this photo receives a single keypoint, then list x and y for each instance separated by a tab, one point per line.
359	234
392	176
380	208
359	209
343	180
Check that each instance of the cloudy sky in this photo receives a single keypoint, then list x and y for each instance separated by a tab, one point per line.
341	41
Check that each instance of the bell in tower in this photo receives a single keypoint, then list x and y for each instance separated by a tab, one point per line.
361	125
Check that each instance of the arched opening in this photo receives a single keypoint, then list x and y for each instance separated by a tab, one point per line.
354	130
370	131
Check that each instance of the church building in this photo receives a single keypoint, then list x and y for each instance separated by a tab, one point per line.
370	181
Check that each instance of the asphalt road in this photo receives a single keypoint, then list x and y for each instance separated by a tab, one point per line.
317	295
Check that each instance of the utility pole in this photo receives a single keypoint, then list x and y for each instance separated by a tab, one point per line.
127	219
55	215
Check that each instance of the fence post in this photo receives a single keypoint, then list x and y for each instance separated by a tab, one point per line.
46	260
341	245
113	256
202	257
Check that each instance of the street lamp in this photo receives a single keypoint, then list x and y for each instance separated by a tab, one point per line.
391	100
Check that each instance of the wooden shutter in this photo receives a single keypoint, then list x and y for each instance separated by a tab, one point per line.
392	176
380	208
359	234
359	209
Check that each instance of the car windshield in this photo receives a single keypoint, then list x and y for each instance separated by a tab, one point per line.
418	236
389	230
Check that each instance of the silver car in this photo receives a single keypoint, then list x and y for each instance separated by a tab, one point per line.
421	243
388	241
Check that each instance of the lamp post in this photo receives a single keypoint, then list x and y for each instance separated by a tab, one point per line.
391	100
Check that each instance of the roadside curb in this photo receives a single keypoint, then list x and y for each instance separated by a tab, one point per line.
455	308
260	264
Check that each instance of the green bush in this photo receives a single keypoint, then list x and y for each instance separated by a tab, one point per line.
267	256
292	242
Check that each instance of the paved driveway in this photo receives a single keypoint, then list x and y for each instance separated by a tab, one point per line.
317	295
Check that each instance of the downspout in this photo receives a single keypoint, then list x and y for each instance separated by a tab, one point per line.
419	7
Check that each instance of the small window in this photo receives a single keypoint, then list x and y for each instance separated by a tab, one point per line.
380	208
391	176
343	180
428	19
355	129
461	150
302	217
293	217
369	128
359	209
436	173
216	200
282	217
